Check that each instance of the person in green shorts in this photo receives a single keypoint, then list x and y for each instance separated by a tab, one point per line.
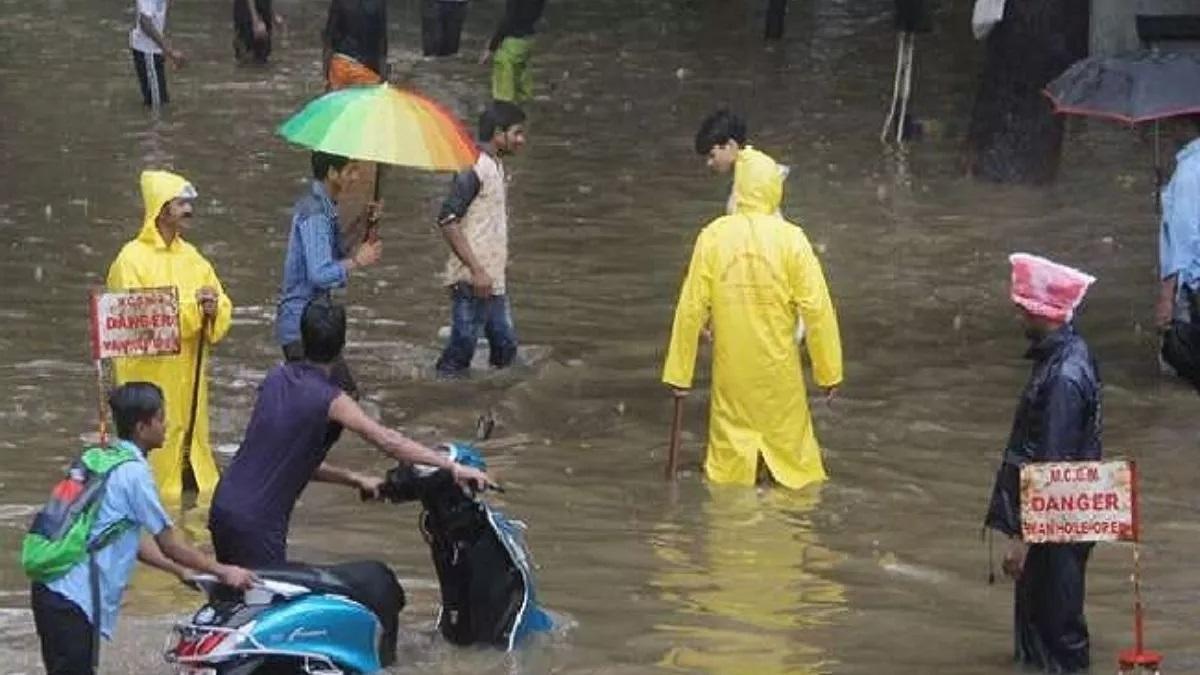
509	50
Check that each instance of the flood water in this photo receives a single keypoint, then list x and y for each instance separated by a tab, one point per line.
879	571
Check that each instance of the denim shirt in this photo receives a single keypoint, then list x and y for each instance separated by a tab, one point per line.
312	267
1179	239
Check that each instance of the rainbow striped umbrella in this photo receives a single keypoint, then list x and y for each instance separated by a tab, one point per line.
380	123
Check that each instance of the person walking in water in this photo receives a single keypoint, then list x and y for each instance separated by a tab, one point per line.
753	274
441	26
474	222
254	23
509	50
151	51
159	256
355	43
1058	419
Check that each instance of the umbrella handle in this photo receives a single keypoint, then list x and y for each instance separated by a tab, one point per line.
372	229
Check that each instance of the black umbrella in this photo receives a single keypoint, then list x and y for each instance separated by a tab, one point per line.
1141	86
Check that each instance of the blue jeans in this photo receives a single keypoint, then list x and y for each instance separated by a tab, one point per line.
470	315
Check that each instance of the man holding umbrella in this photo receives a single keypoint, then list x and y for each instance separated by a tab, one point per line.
316	262
160	257
345	129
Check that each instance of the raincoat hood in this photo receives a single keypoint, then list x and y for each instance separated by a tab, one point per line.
757	183
158	188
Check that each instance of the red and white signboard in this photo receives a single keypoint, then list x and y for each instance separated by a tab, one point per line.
1077	502
137	322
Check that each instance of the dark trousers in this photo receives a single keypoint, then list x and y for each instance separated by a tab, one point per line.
441	26
471	316
245	47
246	546
1050	629
151	72
65	633
776	13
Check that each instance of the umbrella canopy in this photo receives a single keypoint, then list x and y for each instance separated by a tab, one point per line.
380	123
1137	87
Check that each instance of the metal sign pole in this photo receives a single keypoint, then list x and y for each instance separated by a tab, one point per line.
1138	658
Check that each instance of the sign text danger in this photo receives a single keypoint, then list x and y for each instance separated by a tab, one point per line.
1076	502
138	322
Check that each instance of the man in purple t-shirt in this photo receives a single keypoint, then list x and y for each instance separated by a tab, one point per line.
284	448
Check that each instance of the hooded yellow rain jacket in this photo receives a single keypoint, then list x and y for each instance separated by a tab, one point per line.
751	160
147	262
753	274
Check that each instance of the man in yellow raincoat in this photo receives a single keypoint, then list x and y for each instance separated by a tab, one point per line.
753	274
160	257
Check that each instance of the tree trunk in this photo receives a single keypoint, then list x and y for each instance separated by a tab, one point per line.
1015	137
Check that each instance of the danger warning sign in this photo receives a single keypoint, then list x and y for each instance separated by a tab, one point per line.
1077	502
137	322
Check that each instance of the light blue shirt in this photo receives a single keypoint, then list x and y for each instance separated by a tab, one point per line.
130	496
1179	240
313	264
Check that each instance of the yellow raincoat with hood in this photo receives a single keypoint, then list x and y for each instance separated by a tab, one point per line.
753	274
147	262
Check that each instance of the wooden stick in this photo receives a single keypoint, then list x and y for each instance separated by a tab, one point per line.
191	427
676	430
100	401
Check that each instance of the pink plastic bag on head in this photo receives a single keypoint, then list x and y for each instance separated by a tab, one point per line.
1047	289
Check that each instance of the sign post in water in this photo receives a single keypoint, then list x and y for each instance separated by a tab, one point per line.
1078	502
136	322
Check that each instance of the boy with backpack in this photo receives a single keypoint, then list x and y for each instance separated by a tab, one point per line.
80	550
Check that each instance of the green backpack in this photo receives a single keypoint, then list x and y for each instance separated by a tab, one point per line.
58	538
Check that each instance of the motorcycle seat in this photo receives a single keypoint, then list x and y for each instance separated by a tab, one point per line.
312	577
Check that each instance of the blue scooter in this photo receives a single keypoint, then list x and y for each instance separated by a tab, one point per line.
343	619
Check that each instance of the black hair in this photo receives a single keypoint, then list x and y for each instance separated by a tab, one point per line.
499	116
134	402
323	330
322	162
719	128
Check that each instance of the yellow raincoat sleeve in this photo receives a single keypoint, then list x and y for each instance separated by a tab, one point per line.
691	314
811	296
189	309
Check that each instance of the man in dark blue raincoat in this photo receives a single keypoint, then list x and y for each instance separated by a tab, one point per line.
1058	419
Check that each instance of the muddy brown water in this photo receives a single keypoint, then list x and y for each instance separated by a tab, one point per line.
879	571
